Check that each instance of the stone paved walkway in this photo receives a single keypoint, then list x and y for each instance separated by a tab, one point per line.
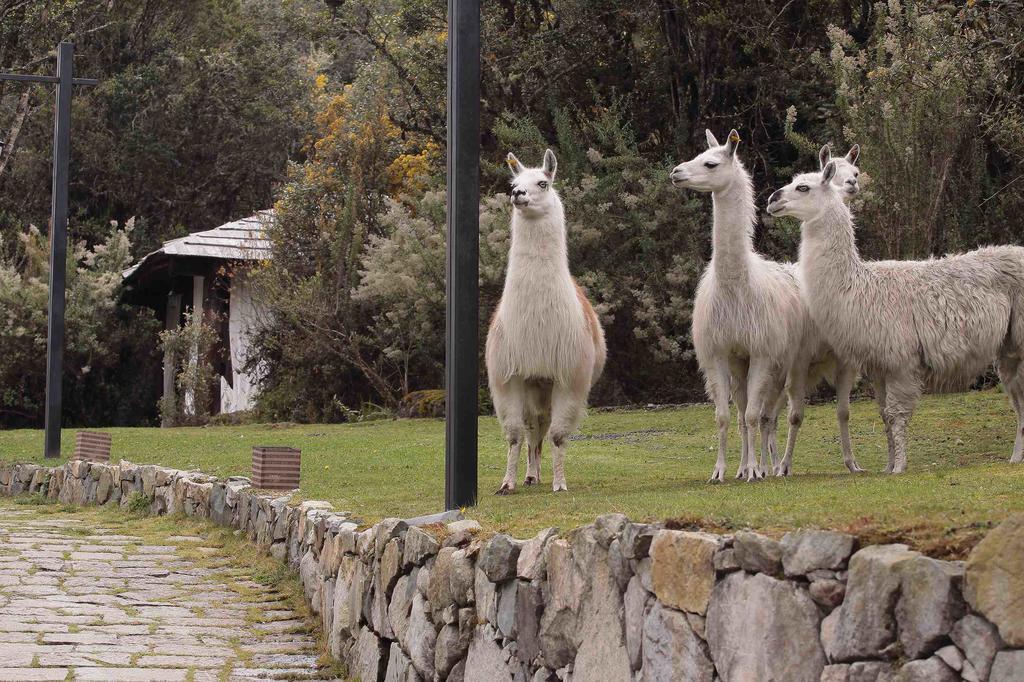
82	602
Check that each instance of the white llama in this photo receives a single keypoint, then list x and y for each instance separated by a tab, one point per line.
545	347
816	359
910	325
747	315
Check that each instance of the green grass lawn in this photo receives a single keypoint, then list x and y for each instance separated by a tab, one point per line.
650	465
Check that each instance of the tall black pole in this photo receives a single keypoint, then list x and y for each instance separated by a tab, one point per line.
58	249
461	338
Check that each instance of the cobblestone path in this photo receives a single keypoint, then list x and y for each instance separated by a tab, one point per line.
81	598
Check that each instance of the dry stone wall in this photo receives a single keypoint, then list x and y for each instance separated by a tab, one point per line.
402	601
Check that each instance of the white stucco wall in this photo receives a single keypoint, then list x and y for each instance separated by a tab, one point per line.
242	316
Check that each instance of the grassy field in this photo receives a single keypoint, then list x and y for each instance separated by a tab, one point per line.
650	465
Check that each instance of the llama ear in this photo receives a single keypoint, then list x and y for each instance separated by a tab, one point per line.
712	142
733	142
513	164
827	172
550	164
824	154
853	154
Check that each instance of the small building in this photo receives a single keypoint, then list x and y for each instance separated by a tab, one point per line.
208	271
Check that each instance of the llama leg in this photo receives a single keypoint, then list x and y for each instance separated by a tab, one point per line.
845	375
769	428
567	407
740	377
510	405
718	386
536	438
1013	381
880	395
902	396
759	396
796	391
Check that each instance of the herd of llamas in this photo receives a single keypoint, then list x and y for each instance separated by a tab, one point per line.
764	333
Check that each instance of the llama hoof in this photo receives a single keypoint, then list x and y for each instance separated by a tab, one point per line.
752	475
559	487
505	489
718	475
855	468
531	480
782	471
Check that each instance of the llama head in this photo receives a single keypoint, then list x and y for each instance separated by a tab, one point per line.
847	174
807	195
712	170
533	192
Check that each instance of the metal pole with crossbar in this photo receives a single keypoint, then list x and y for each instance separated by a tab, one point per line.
58	235
461	325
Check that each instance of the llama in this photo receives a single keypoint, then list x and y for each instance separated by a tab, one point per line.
545	347
747	315
910	325
816	359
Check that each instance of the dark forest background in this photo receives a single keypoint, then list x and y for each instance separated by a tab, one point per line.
333	113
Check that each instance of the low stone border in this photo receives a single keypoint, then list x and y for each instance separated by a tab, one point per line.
610	601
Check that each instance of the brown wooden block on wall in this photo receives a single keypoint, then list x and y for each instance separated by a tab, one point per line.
92	446
276	467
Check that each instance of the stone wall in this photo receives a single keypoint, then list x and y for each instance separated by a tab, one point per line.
614	600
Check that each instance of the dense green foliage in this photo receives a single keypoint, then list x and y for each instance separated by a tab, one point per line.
622	92
210	109
200	104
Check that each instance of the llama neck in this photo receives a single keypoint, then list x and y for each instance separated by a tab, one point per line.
539	244
828	247
732	233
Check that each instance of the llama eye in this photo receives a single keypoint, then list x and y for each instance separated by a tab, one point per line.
710	164
542	184
802	188
857	174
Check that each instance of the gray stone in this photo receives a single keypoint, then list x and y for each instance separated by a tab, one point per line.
485	594
399	666
836	673
461	576
1008	667
827	593
808	550
995	579
757	553
391	564
930	604
951	656
420	638
529	607
979	640
683	570
452	644
400	606
439	590
866	625
929	670
384	531
499	557
434	519
532	556
419	546
506	620
608	527
465	525
486	660
670	649
601	653
635	539
778	616
636	605
367	657
725	560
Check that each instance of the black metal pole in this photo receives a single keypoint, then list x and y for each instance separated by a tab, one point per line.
461	337
58	250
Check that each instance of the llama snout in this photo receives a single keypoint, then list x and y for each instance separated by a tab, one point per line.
520	198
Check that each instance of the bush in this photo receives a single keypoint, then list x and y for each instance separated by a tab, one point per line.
190	346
